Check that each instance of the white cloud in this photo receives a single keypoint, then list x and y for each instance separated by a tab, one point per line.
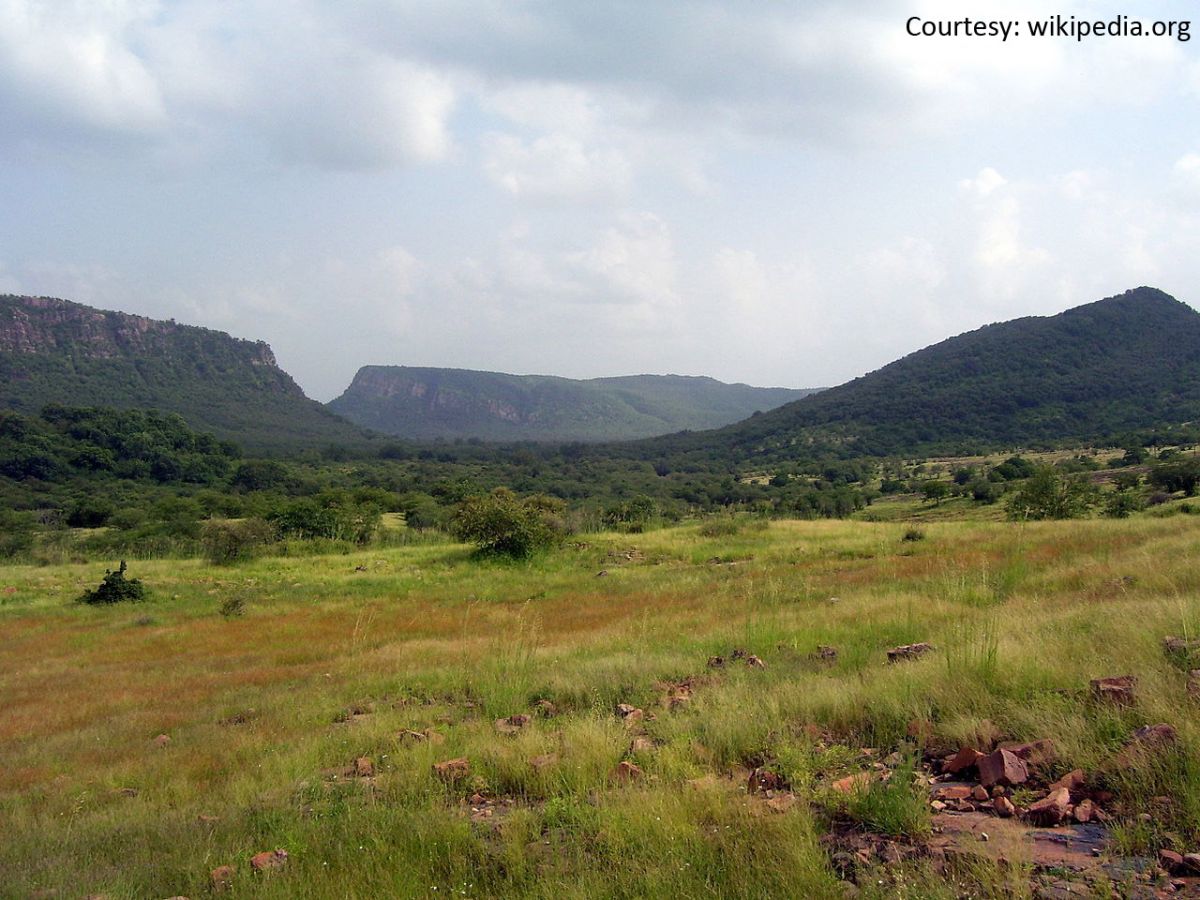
555	167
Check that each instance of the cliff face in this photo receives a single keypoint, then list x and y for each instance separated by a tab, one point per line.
427	403
56	351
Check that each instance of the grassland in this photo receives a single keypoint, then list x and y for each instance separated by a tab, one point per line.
335	656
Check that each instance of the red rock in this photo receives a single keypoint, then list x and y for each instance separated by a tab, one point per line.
716	662
1084	812
641	744
627	771
963	760
624	710
1180	645
852	783
452	769
477	799
221	878
1117	689
1192	862
412	737
1034	753
512	724
979	793
908	651
1004	807
162	740
755	663
1072	781
546	709
363	768
1052	809
955	792
269	860
1171	861
828	654
1002	767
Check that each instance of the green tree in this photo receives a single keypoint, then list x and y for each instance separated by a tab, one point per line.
1049	495
503	523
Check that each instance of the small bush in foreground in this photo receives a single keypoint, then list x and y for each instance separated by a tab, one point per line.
501	522
116	588
226	541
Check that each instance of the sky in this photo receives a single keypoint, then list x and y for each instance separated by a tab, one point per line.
777	193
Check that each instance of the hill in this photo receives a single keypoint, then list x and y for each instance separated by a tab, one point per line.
58	352
428	403
1093	373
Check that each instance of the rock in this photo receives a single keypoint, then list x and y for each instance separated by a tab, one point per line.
1178	645
716	662
980	794
908	651
755	663
163	740
852	783
412	737
1147	739
963	760
1004	807
512	724
955	792
738	653
221	878
544	761
269	860
678	701
545	709
624	710
1084	812
937	805
1072	781
1002	767
1192	862
452	770
627	771
202	819
1034	753
363	768
1193	684
1117	689
1171	861
826	654
641	744
762	780
1052	809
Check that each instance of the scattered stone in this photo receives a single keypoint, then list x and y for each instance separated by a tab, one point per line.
162	740
412	737
603	573
363	768
980	794
852	783
1034	753
1170	861
755	663
512	724
1084	812
221	878
954	792
1182	646
452	770
962	761
716	662
544	761
545	709
625	710
762	780
1072	781
1004	807
1002	767
738	653
1051	810
627	771
1117	689
826	654
908	651
678	701
269	860
937	805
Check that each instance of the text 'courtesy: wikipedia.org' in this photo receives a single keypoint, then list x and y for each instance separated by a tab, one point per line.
1065	27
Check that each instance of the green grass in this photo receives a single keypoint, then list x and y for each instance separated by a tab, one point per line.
428	637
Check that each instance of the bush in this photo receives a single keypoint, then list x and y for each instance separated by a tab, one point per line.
227	541
1049	495
914	534
116	588
503	523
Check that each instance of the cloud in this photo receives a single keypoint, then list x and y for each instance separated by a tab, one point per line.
555	167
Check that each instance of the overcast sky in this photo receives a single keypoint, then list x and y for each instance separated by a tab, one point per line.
780	193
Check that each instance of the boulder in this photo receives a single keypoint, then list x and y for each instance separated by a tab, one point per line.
1052	809
1034	753
1084	812
1004	807
1170	861
1192	862
1118	689
1002	767
1072	781
962	761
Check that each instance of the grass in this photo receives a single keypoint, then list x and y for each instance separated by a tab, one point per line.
327	663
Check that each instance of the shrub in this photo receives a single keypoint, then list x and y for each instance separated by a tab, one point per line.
720	526
1049	495
503	523
226	541
116	588
233	607
914	534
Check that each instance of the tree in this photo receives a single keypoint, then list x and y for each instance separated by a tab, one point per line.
1049	495
503	523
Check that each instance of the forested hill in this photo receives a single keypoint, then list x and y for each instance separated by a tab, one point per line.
1095	372
430	403
58	352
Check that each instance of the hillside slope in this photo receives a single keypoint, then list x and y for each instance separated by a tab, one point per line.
1091	373
427	403
56	351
